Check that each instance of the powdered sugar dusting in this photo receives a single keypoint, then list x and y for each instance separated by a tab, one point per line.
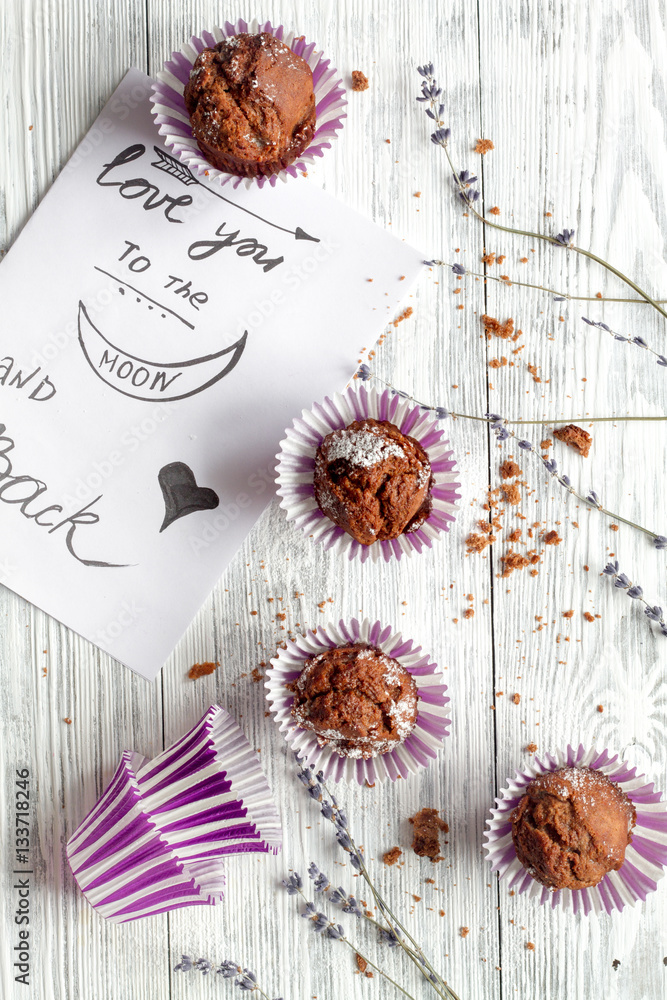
363	448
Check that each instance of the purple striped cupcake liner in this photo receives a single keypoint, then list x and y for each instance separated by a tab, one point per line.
417	751
207	794
174	122
157	838
296	465
645	856
124	867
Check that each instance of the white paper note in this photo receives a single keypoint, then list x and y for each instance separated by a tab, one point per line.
157	335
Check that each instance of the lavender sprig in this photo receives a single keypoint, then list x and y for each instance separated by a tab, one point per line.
329	929
431	94
503	432
500	425
364	374
462	271
317	789
637	341
653	612
244	979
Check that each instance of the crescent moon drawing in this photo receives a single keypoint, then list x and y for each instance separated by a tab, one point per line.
150	380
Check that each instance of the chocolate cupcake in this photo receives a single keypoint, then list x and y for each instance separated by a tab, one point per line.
251	104
572	827
373	481
359	701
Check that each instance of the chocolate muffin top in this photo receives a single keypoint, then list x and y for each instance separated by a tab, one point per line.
571	827
251	104
358	700
372	480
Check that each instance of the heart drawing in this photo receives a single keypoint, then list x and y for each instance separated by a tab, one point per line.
181	494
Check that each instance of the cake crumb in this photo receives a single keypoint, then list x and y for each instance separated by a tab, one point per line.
495	210
202	669
484	146
575	437
588	616
509	469
476	543
359	80
511	493
494	328
362	964
516	698
568	614
531	747
600	708
391	856
468	613
530	946
552	538
427	826
404	315
464	931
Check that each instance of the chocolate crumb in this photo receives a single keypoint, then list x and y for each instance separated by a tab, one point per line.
494	328
391	856
426	834
575	437
509	469
359	80
511	493
201	669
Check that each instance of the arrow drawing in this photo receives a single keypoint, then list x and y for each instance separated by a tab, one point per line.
182	173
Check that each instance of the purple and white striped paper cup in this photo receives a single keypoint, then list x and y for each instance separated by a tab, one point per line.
296	467
645	856
431	727
157	838
174	122
207	794
123	866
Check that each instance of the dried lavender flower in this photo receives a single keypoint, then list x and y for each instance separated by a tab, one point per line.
293	884
652	611
565	238
227	969
636	340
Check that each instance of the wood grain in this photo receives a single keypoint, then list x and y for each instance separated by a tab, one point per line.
573	97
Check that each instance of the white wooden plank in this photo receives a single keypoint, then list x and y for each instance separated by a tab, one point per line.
576	135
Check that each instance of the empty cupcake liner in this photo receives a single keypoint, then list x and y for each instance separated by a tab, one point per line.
157	837
645	857
296	466
174	122
431	727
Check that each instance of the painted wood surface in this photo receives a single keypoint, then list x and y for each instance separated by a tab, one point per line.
574	98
